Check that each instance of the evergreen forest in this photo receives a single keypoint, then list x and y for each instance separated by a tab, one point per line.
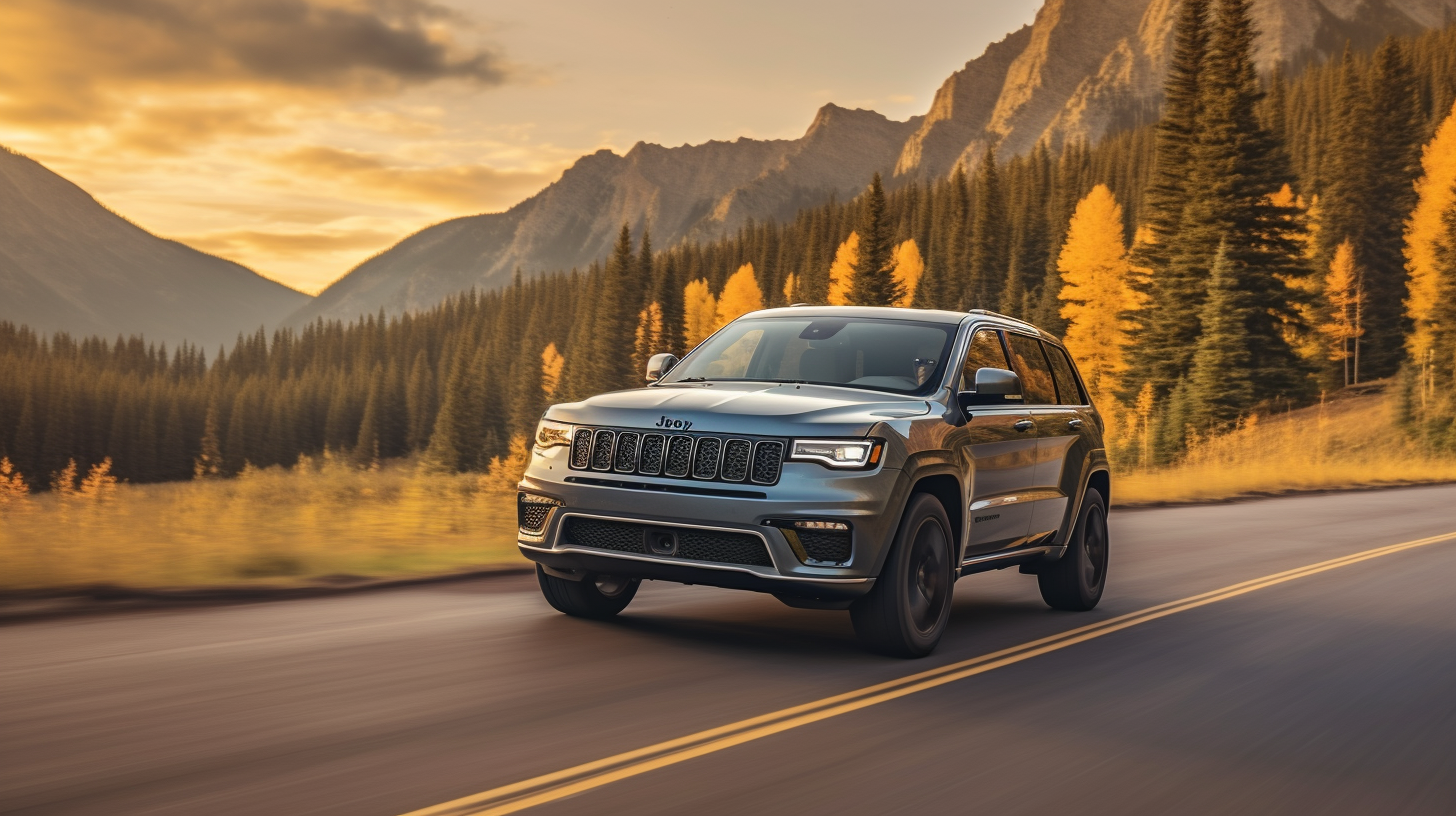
1268	239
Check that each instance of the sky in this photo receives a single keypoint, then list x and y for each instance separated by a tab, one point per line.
301	137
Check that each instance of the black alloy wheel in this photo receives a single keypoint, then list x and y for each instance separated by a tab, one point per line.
1076	582
906	612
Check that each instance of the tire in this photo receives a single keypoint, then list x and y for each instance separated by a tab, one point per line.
1075	582
906	612
597	597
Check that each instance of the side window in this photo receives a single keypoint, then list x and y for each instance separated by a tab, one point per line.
1031	365
1068	392
985	352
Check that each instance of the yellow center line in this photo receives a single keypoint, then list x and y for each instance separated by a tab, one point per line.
561	784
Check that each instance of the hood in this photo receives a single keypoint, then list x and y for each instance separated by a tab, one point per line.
754	409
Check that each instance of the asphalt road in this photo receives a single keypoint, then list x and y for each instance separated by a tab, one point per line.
1329	694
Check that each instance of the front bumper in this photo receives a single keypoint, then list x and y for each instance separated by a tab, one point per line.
862	499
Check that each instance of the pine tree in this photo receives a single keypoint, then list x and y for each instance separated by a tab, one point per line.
987	257
908	269
1174	292
1219	388
872	281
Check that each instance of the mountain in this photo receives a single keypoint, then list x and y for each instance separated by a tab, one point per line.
688	191
1081	70
69	264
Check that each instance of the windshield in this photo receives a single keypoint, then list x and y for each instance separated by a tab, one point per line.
901	356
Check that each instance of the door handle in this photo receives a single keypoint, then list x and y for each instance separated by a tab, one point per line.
1024	425
1074	424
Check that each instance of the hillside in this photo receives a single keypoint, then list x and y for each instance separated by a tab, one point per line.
679	192
1083	69
69	264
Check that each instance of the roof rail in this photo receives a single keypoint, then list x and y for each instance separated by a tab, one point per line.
989	313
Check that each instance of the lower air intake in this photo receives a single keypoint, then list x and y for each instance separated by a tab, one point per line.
718	546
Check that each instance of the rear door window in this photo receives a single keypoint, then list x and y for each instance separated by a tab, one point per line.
1037	385
1068	391
985	352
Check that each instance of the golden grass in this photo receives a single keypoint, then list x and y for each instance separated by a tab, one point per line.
324	519
1346	443
266	527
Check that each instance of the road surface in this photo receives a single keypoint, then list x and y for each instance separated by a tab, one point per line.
1330	693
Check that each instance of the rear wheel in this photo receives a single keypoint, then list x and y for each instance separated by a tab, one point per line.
1075	582
596	596
905	613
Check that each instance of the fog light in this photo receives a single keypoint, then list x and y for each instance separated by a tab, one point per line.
821	525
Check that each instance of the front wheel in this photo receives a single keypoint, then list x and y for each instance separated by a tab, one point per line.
906	612
1075	582
596	596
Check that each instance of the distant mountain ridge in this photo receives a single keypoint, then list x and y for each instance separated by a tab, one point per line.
1083	69
69	264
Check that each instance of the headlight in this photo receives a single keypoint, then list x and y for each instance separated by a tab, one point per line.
837	453
551	434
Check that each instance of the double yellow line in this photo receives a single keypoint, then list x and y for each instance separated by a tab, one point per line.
561	784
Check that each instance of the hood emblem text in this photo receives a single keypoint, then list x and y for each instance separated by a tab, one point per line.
674	424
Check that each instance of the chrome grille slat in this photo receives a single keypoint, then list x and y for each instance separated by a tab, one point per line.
649	461
737	454
706	453
768	461
679	457
601	454
628	445
581	448
701	457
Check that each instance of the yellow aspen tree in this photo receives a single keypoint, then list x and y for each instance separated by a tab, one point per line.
791	288
13	489
99	484
648	338
1341	324
552	362
1143	407
700	309
1097	292
907	267
1436	194
502	475
64	483
841	272
740	296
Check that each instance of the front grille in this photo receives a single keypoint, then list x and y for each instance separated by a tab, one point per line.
702	457
718	546
601	451
830	546
581	448
768	459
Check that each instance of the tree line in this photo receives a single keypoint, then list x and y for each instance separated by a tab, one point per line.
1267	238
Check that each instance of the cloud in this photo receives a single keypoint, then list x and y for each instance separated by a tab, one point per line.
287	243
87	61
474	187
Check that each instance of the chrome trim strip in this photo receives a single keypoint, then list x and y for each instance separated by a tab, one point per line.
698	564
997	556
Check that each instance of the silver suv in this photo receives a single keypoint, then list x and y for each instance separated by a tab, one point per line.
836	458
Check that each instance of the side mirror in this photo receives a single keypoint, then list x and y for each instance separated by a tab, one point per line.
994	386
660	364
